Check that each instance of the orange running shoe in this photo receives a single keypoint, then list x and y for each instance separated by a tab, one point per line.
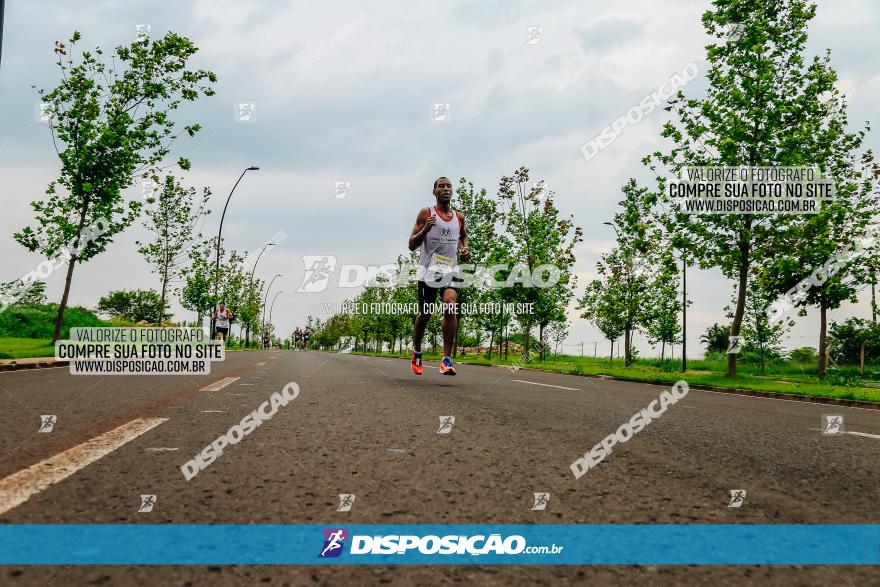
417	363
446	367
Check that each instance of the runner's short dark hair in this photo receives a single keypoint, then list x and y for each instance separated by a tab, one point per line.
438	179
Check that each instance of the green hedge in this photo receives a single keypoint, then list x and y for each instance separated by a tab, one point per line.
38	321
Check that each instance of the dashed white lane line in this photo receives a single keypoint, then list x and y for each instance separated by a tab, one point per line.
865	434
218	385
21	486
260	364
160	449
546	385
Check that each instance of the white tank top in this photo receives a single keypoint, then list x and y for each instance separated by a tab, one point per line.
223	318
438	254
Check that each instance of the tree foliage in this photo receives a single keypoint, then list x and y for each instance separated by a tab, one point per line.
109	122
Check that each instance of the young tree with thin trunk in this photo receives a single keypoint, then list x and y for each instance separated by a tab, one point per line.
764	107
108	123
537	236
172	217
481	215
197	293
761	335
663	312
601	304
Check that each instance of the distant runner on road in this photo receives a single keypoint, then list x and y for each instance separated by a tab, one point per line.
223	315
307	334
440	236
297	337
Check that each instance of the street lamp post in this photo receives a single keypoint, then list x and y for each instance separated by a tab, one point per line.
2	10
265	299
254	268
272	305
247	343
219	237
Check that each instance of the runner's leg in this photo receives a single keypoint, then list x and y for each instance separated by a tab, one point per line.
450	320
427	296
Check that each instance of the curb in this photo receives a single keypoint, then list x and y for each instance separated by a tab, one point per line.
40	365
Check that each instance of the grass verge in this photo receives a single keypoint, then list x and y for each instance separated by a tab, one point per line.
791	384
17	348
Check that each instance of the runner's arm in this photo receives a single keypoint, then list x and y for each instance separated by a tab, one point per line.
424	222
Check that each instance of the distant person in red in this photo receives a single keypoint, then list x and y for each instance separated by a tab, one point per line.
440	236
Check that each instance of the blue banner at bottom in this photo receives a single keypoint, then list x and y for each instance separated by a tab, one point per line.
484	544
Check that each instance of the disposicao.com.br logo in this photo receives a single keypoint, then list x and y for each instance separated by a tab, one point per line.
476	545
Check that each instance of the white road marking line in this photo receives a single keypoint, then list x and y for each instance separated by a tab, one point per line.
159	449
212	411
251	384
403	450
21	486
218	385
546	384
261	363
236	394
865	434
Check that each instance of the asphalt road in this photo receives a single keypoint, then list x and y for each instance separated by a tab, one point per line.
367	426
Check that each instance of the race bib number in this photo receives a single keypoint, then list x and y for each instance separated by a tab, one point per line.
441	264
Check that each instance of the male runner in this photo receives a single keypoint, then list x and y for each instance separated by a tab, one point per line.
307	335
222	317
440	236
297	336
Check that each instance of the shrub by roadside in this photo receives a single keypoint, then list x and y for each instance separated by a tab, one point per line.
38	321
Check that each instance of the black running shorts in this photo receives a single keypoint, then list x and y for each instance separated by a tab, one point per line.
428	295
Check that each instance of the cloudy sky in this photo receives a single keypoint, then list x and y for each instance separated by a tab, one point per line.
343	91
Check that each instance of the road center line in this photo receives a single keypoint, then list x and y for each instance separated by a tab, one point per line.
21	486
260	364
218	385
546	385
